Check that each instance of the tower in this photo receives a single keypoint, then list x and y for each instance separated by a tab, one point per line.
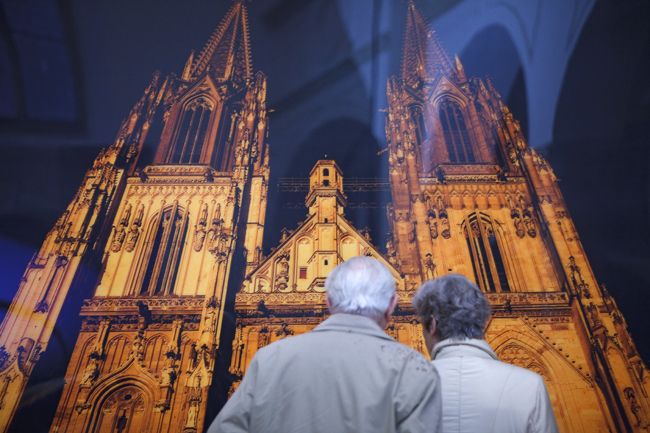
470	196
168	238
285	294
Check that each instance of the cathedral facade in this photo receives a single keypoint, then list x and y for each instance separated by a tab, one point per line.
185	295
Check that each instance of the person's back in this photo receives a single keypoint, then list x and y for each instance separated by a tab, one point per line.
479	392
346	375
482	394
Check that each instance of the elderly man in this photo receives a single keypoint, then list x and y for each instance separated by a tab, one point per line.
480	393
346	375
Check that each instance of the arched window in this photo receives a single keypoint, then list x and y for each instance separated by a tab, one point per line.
124	411
191	135
420	129
166	242
455	131
489	269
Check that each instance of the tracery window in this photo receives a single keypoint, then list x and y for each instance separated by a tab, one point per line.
487	261
191	135
166	241
124	411
459	147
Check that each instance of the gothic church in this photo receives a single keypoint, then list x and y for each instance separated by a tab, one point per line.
179	248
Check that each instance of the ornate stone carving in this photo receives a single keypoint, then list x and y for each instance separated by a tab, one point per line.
446	230
120	230
168	372
429	266
293	297
581	286
282	272
594	317
4	386
91	372
544	298
433	224
96	304
635	408
264	337
199	234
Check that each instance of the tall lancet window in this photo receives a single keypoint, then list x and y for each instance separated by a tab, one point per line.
489	268
420	129
191	135
166	242
455	131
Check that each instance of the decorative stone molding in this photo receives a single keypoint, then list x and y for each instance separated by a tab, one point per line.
538	298
280	298
100	304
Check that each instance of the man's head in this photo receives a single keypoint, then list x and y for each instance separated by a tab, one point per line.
363	286
451	307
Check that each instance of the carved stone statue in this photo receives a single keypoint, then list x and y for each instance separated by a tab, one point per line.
446	233
91	372
132	238
199	237
530	225
168	373
116	245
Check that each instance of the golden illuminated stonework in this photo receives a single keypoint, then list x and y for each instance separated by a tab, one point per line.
185	295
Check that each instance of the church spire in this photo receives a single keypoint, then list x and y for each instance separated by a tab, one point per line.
227	54
422	52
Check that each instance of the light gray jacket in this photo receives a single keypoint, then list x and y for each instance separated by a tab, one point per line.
482	394
346	375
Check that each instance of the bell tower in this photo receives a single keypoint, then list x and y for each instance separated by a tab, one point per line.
170	238
326	198
471	197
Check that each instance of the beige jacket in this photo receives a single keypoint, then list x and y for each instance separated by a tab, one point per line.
346	375
482	394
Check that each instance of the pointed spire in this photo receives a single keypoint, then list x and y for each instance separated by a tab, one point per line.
422	52
188	67
227	53
460	71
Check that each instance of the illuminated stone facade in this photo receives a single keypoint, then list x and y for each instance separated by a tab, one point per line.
470	196
167	237
175	240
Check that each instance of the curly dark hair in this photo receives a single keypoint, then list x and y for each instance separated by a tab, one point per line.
458	305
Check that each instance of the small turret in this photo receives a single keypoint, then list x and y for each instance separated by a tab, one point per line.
326	197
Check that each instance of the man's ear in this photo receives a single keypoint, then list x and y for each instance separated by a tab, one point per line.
392	306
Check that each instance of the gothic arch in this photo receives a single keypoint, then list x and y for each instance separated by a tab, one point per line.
619	363
487	252
195	118
545	355
349	247
86	350
101	402
161	252
451	95
155	349
263	285
117	352
302	244
418	116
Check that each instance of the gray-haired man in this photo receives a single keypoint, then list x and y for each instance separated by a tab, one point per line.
346	375
480	393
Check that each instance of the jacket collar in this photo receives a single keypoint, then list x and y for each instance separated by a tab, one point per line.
352	323
453	347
